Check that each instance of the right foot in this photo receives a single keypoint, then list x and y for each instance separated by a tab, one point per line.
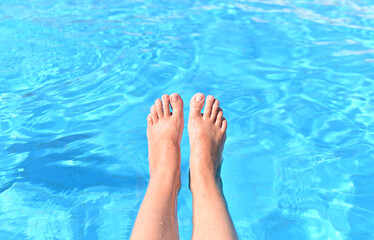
207	132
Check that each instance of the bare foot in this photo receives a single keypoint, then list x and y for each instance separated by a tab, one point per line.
157	216
207	134
164	136
207	131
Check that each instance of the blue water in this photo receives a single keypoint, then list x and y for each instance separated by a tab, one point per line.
295	80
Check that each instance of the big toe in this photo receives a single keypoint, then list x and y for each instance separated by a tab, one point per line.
176	104
196	104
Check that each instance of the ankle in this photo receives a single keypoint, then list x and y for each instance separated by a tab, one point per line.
166	180
204	182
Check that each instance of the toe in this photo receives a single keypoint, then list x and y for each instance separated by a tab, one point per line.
208	106
166	104
158	105
215	108
219	117
154	114
196	104
224	125
176	104
149	121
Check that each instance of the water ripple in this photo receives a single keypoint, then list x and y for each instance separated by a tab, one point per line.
294	78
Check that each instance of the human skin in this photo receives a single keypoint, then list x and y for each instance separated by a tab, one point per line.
207	133
157	217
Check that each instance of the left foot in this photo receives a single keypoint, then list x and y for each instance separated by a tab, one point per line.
157	217
164	135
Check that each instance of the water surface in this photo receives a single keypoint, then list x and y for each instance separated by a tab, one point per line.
294	79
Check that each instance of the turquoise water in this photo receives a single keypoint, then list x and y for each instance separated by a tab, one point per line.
294	78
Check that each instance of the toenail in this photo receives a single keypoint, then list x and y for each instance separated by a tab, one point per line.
199	98
175	98
210	97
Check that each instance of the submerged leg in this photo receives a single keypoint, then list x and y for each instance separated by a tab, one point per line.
207	132
157	217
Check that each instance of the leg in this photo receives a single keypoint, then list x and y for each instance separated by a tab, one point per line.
157	217
207	132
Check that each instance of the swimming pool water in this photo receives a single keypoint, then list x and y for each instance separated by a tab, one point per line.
295	80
